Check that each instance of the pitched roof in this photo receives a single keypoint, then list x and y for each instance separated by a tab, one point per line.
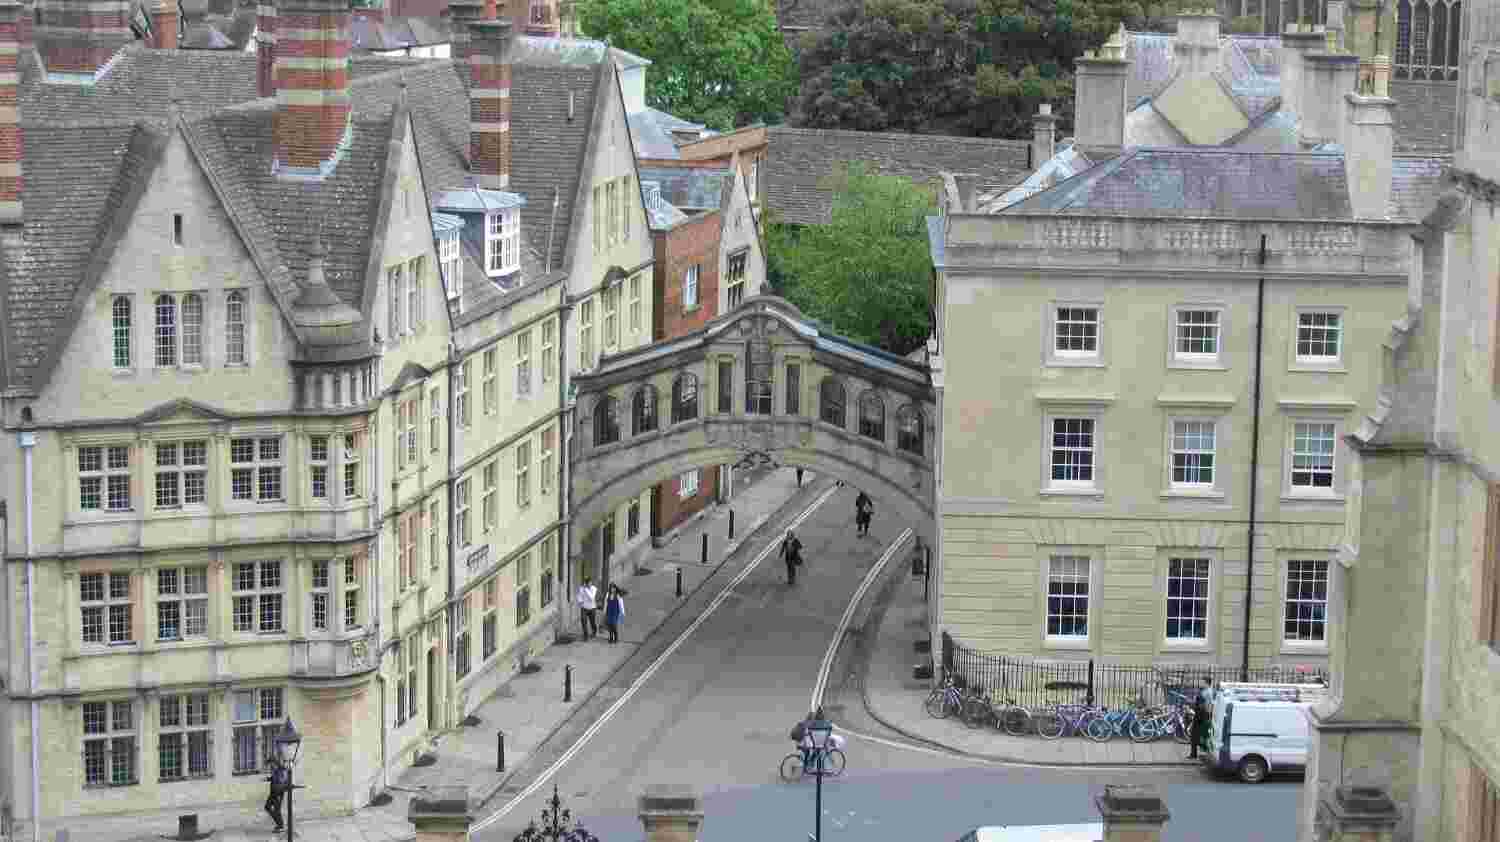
695	188
800	161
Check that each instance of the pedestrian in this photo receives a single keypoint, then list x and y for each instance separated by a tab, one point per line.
791	553
864	507
279	779
614	612
1203	710
799	477
587	600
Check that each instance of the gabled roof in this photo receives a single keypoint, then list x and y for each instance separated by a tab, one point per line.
801	160
651	130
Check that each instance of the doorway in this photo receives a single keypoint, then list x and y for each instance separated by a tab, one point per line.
432	685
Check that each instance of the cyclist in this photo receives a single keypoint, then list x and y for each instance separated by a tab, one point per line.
802	735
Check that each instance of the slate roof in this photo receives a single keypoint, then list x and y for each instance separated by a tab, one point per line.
1426	114
651	130
800	161
691	188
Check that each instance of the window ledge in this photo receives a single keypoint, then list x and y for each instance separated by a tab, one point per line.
1181	364
1096	493
1317	404
1073	643
130	648
1191	494
1186	646
1332	367
1212	402
1296	647
1293	497
1076	362
1065	399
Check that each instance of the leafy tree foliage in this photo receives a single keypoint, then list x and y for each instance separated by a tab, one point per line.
717	62
867	274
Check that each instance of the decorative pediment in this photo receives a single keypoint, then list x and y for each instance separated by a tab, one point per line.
411	372
180	411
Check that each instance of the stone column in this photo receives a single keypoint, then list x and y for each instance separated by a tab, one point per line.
669	812
1356	814
441	814
1132	813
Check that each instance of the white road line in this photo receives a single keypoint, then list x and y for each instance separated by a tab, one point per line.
838	633
645	676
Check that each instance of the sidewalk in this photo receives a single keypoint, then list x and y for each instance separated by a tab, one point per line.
528	708
895	700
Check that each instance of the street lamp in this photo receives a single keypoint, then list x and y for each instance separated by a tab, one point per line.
819	731
288	745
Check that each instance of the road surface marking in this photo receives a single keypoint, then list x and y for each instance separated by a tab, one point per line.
838	633
645	676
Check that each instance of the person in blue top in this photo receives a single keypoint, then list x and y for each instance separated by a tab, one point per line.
614	612
280	779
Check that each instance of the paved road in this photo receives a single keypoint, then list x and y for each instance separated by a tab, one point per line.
716	716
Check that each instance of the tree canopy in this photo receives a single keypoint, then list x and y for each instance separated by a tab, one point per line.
717	62
867	274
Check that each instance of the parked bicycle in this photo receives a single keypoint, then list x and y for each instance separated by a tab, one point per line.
1111	724
793	768
1162	722
945	700
1052	723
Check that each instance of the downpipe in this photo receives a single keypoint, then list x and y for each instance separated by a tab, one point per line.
28	442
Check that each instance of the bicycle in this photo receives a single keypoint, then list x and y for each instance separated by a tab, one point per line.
793	769
1155	724
977	711
1110	724
1052	723
1012	718
944	701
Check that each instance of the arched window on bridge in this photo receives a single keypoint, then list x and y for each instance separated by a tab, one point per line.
909	429
872	416
606	421
643	410
832	400
684	398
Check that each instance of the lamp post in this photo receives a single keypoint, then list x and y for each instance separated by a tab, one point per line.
288	746
819	731
557	825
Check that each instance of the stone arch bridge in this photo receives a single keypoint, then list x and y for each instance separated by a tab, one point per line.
762	384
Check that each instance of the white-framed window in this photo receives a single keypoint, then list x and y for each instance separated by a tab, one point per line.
410	545
626	196
120	331
549	350
687	484
502	242
434	534
410	410
1312	457
461	393
523	474
434	419
546	465
317	457
635	303
320	595
192	329
351	462
255	469
598	206
104	478
416	271
548	553
1197	334
181	473
465	535
107	608
1320	337
736	277
523	588
1187	595
489	506
489	636
461	634
1305	616
184	737
523	363
586	334
690	287
1068	597
611	297
166	331
1194	445
110	744
181	602
453	265
234	328
259	715
1073	453
489	386
612	211
1076	332
396	281
353	578
259	595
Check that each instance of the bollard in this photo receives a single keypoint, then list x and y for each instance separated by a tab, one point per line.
679	582
731	524
499	751
705	548
568	683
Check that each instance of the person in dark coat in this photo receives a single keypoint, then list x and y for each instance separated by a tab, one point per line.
614	612
864	507
280	780
791	553
1203	710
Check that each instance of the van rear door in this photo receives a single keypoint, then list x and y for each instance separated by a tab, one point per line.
1290	749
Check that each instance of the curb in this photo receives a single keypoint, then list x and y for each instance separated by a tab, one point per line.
800	496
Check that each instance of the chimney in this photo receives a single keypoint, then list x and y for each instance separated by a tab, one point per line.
460	14
1368	140
1132	813
489	102
543	20
1357	814
164	24
1334	22
671	813
312	86
1294	46
80	38
1196	47
1043	135
11	13
265	49
441	814
1326	77
1099	103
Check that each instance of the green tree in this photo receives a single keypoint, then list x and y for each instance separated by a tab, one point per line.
867	274
717	62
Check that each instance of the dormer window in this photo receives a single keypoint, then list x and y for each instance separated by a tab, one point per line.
453	267
502	242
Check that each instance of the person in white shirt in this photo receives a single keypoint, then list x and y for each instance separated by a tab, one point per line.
587	600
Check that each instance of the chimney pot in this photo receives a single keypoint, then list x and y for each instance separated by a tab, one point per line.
1043	135
164	24
265	49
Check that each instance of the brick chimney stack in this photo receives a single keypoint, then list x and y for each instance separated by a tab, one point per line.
164	24
80	37
489	102
460	14
265	49
312	86
539	17
11	13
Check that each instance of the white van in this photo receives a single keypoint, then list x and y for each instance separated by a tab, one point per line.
1258	729
1086	832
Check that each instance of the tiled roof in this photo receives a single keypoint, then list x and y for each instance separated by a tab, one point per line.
692	188
800	161
651	130
1426	114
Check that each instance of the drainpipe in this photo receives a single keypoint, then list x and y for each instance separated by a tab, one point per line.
454	361
28	441
565	564
1260	329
